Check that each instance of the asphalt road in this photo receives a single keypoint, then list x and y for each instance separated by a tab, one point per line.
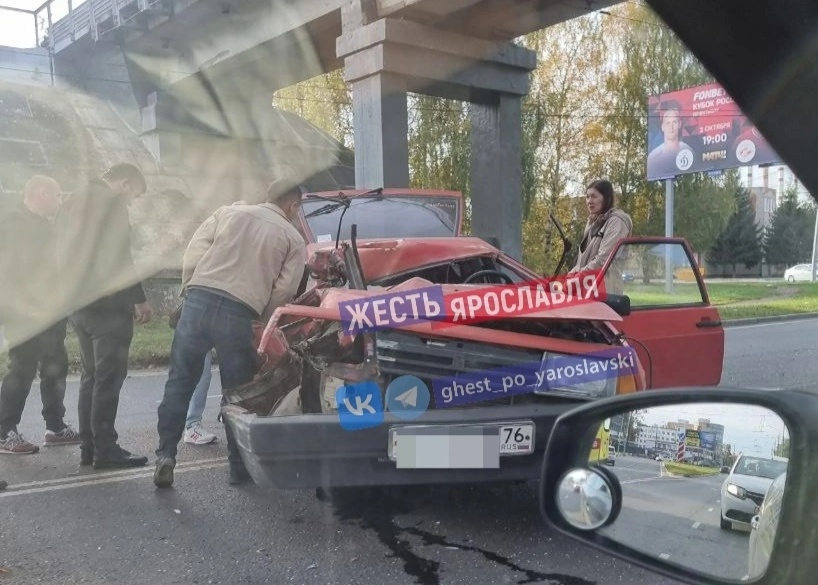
677	518
61	524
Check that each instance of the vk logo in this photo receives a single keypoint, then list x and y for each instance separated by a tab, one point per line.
359	405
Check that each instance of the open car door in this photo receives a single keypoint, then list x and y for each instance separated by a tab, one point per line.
676	332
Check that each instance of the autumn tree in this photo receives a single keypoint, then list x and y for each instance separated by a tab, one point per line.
646	58
325	100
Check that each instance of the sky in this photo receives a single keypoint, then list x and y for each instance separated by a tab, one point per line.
750	429
17	29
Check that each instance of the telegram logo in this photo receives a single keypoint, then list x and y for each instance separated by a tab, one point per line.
407	397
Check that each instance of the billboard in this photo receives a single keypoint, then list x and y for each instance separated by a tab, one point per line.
692	438
708	440
701	129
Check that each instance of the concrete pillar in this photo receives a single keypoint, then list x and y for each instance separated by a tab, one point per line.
496	171
380	132
385	58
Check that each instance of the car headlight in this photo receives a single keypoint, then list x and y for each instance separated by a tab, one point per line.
579	375
737	491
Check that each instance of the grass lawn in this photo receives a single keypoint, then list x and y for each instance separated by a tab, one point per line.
690	470
150	346
734	300
151	342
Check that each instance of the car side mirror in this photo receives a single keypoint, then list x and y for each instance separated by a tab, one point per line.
619	303
687	521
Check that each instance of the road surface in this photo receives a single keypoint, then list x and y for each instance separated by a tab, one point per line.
61	524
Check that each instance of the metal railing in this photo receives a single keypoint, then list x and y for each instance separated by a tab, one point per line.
89	17
41	40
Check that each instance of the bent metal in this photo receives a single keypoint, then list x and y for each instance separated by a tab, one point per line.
402	308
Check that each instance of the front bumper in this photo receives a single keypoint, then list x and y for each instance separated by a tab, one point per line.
738	511
313	450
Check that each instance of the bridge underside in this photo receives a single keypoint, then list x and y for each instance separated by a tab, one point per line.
210	69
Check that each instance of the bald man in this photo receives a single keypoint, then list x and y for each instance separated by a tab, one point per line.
30	310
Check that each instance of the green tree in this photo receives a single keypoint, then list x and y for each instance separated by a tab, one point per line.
789	238
703	206
740	242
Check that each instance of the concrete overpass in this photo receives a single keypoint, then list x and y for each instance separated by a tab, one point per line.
180	68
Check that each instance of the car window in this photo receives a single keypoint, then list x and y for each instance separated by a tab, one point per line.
768	468
654	275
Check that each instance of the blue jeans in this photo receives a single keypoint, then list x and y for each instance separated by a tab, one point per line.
208	321
197	404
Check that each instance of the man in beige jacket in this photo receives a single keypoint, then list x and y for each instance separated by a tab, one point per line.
242	263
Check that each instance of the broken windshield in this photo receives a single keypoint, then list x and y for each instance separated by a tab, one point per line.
387	217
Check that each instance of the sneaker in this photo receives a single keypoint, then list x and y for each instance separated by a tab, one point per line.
196	435
67	436
163	476
15	444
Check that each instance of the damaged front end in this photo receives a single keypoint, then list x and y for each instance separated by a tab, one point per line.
299	351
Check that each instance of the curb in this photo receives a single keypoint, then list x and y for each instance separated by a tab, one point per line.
773	319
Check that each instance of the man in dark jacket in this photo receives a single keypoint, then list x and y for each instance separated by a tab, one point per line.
29	311
105	298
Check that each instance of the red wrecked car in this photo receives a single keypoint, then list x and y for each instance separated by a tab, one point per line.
366	244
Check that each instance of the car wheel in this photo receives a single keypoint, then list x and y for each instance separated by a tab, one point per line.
725	524
791	278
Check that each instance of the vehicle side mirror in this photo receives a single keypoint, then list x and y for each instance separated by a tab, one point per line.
682	520
619	303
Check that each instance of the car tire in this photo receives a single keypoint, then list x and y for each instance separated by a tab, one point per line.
791	278
725	524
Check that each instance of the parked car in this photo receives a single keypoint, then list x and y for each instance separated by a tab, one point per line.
744	488
287	421
798	273
611	455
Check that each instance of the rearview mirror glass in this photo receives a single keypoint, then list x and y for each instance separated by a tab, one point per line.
693	479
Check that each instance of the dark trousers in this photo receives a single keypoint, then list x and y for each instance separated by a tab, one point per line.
105	341
208	320
46	351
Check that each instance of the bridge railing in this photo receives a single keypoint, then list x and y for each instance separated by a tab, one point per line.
58	23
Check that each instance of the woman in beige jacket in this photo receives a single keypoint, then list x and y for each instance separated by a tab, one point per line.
606	226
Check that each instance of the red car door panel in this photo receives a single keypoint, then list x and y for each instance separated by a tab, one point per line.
676	332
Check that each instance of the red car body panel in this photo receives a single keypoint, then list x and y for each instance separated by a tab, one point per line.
680	345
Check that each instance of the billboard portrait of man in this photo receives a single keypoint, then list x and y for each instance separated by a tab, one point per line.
665	159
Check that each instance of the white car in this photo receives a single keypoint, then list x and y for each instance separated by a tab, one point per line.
744	489
799	272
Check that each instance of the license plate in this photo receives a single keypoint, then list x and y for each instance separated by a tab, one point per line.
516	438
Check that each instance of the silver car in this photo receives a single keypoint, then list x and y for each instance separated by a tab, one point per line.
764	527
745	487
